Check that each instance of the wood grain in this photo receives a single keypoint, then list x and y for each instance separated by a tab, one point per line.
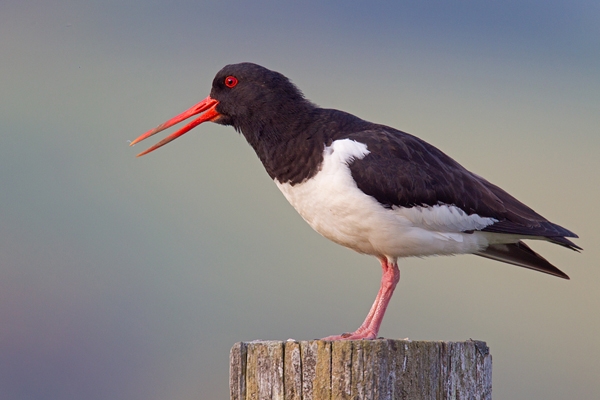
363	369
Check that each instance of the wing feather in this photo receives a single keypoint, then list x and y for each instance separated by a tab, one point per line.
404	171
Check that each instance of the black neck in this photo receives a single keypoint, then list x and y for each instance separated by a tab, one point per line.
290	145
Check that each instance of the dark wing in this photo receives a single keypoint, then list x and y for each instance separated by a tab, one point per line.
403	170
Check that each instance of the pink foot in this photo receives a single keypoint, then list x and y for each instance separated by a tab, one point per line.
352	336
370	328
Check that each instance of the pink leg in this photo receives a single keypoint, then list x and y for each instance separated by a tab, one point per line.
370	328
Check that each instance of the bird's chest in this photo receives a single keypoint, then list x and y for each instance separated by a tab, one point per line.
331	202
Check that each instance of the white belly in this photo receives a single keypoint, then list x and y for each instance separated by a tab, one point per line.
333	205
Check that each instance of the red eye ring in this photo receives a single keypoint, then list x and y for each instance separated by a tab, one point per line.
231	81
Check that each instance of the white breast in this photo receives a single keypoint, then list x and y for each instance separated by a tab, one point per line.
335	207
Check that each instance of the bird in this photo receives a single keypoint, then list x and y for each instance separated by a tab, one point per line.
366	186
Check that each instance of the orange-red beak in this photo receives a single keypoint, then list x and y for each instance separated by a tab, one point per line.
208	106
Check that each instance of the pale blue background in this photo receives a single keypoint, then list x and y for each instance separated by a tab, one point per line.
125	278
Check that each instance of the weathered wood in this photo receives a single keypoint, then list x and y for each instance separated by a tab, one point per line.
381	369
237	371
264	370
292	368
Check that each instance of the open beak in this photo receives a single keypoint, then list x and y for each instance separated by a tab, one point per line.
208	106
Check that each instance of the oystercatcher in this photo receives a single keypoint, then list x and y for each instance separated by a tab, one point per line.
369	187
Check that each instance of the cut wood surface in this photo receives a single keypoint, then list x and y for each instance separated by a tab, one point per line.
362	369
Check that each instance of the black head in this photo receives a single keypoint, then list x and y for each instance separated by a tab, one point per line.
257	101
262	104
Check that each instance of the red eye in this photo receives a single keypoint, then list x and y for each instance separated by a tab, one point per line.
231	81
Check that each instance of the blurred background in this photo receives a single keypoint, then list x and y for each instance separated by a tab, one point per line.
125	278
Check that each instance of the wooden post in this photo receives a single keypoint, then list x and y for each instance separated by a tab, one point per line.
381	369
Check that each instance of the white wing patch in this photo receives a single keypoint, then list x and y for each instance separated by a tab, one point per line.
444	218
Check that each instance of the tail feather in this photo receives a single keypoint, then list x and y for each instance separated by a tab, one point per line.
564	242
521	255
